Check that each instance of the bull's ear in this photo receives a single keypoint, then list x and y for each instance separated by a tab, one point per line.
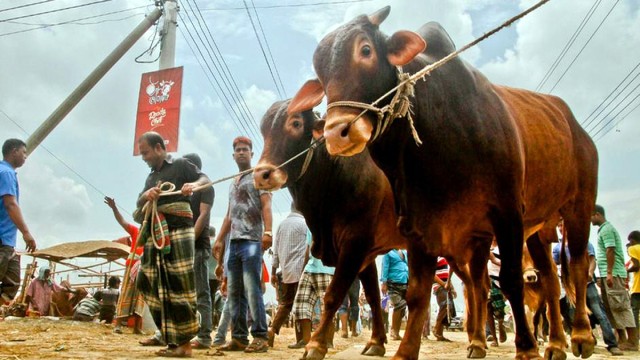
379	16
318	129
403	46
309	96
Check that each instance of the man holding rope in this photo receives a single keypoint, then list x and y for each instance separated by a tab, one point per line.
166	278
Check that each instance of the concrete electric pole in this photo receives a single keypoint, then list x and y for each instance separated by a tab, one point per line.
168	45
74	98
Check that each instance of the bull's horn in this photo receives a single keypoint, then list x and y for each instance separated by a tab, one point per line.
378	17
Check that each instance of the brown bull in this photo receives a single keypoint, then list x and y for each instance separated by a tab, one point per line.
348	206
63	302
493	161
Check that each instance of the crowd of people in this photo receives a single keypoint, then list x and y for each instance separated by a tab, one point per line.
195	281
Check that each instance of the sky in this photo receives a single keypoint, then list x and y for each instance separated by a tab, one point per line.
89	155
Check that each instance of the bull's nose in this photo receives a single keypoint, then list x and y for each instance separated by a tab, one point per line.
268	177
261	178
346	138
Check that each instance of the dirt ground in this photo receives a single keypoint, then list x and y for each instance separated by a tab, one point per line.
65	339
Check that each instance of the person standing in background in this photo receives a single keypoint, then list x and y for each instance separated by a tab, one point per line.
14	155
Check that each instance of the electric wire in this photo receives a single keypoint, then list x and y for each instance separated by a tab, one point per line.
584	46
208	75
95	188
26	5
568	45
54	11
223	98
43	26
617	122
589	119
224	71
291	5
262	49
226	77
611	119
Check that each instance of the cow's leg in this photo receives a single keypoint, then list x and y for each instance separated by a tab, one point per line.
479	288
577	229
346	271
464	275
421	269
548	280
509	231
369	279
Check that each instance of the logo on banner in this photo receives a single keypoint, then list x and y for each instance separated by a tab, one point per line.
159	106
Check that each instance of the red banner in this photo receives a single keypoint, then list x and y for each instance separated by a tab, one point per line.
159	106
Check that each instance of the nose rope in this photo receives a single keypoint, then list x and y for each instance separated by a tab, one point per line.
404	79
400	106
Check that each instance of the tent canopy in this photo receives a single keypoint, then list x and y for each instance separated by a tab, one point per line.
105	249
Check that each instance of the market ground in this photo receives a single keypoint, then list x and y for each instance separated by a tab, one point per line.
64	339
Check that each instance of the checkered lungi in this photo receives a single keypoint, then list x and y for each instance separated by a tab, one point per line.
167	283
131	301
311	288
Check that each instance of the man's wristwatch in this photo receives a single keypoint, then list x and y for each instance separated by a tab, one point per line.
268	233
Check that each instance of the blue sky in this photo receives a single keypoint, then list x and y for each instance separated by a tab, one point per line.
40	68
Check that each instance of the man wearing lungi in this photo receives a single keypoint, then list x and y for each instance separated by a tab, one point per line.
166	278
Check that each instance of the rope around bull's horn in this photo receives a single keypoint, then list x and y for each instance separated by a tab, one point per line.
429	68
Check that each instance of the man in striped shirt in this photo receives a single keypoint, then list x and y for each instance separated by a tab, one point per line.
288	253
445	293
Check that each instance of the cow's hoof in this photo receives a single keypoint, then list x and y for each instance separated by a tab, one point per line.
373	349
582	349
314	354
476	352
553	353
528	355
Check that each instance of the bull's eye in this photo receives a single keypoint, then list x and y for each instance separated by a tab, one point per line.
296	124
366	51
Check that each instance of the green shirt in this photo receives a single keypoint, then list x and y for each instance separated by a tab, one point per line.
608	237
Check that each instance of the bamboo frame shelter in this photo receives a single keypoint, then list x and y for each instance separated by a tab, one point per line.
107	251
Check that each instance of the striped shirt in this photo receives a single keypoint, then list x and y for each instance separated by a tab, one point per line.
88	306
442	271
290	246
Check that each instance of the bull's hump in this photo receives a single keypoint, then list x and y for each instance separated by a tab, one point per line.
439	43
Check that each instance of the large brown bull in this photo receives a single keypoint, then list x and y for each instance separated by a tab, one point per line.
493	161
347	204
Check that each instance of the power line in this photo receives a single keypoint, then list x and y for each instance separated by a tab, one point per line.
61	161
207	74
224	97
43	26
584	46
614	108
291	5
588	122
618	122
569	43
226	76
54	11
275	68
224	70
25	5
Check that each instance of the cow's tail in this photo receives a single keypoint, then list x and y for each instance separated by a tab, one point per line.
569	288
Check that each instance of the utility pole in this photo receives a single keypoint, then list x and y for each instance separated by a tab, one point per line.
168	44
78	94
